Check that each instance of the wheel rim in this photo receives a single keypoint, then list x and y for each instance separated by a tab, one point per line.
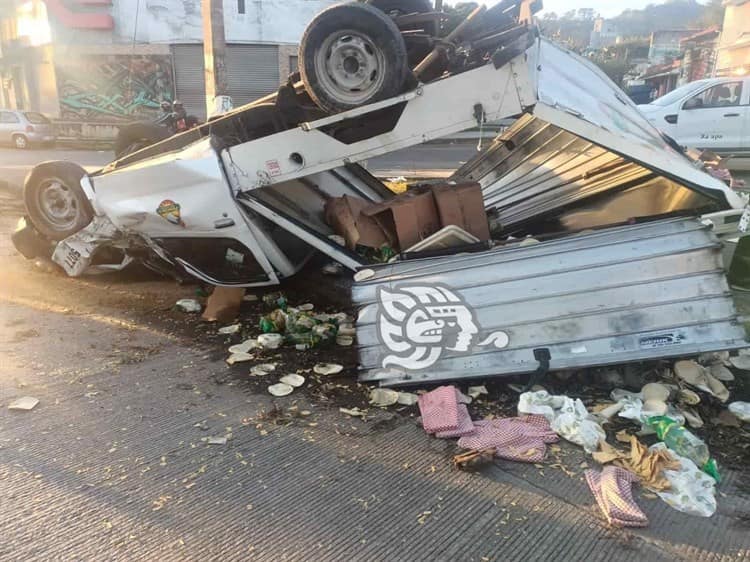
350	67
58	204
21	142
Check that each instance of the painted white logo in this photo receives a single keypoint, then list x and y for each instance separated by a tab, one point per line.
418	324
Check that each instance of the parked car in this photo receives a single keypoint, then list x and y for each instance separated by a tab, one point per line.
24	128
707	114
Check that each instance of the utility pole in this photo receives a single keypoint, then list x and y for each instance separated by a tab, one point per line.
438	5
214	54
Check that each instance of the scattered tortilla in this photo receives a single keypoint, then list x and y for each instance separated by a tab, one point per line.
24	404
344	341
353	412
245	346
280	389
293	380
229	330
270	341
262	370
328	369
239	358
383	397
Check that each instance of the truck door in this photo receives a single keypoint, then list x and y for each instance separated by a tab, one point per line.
714	118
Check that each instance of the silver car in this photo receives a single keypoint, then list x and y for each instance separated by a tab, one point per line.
24	128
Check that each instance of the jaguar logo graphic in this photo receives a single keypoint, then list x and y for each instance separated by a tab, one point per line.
418	324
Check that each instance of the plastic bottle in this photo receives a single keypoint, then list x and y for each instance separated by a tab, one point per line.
684	443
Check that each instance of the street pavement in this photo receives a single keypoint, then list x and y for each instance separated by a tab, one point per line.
114	463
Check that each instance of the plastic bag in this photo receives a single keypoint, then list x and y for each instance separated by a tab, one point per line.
692	490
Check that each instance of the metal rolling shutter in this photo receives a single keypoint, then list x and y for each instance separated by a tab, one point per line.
252	72
189	79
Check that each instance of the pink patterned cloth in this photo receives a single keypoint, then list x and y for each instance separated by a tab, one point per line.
443	415
521	439
613	491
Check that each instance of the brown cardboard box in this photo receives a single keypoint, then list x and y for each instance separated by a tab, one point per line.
344	214
462	205
412	217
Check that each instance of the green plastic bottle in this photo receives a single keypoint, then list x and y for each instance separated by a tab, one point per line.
684	443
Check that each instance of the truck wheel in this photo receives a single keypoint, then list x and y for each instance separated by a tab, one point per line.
134	137
352	55
55	201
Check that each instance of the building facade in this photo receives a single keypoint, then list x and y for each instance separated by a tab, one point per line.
665	45
99	62
733	56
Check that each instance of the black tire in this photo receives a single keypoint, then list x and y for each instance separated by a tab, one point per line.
59	182
137	136
379	57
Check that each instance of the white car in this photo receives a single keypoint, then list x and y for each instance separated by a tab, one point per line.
708	114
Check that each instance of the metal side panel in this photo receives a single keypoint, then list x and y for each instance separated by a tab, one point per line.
625	294
575	95
537	171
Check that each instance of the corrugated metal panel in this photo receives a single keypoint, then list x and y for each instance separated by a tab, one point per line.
252	72
189	78
618	295
536	170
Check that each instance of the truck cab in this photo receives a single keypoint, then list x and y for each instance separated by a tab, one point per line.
711	114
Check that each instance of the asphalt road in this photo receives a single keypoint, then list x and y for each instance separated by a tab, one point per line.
114	463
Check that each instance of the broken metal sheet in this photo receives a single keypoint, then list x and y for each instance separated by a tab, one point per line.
75	254
537	171
575	95
619	295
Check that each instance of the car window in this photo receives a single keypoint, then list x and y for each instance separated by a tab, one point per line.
8	117
36	118
676	95
721	95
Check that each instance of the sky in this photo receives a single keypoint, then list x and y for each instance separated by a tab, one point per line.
607	8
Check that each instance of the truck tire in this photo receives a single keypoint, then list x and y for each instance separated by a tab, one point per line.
55	202
132	138
352	55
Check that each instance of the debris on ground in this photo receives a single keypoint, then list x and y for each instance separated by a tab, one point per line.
239	358
474	460
691	490
569	418
612	488
293	380
190	306
280	389
741	410
217	440
353	412
444	414
230	330
327	369
684	443
224	304
648	465
522	439
262	370
701	378
383	397
24	404
477	391
270	341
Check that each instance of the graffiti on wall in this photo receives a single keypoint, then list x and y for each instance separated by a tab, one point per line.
113	87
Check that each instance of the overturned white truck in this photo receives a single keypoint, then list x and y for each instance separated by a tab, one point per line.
240	201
